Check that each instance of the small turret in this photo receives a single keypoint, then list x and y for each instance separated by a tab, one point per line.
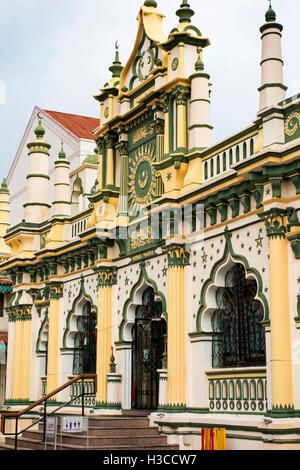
272	89
62	192
37	208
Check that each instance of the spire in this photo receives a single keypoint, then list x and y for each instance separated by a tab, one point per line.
185	13
150	3
199	65
39	131
116	68
270	15
4	188
62	153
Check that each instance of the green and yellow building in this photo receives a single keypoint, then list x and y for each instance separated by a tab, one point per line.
163	262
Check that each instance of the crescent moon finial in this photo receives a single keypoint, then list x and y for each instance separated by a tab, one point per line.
117	45
39	115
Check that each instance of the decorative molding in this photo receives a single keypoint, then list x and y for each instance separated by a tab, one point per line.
178	256
107	276
275	221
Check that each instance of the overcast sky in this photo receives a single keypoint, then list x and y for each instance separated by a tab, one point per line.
55	54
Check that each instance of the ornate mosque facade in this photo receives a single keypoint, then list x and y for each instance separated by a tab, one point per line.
168	265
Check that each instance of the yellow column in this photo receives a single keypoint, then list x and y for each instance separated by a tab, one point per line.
181	93
178	258
107	277
281	355
27	354
110	167
17	361
56	291
100	164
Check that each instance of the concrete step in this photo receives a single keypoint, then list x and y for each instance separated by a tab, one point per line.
29	444
95	441
102	432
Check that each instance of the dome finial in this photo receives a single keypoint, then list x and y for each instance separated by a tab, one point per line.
62	153
116	68
39	130
185	13
150	3
270	15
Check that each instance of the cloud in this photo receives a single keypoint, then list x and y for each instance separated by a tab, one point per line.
56	54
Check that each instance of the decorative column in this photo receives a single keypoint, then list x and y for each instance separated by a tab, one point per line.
107	277
17	359
181	94
123	201
281	355
164	103
22	352
178	258
159	126
55	294
37	208
110	140
62	193
100	144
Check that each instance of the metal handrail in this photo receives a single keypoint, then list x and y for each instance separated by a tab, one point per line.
44	400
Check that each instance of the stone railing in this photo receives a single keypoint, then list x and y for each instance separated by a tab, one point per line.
76	390
222	162
78	227
237	390
43	386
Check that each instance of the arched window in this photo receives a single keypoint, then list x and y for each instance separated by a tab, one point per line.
211	167
238	339
244	150
251	147
218	164
149	348
76	198
206	170
230	157
84	359
224	161
237	153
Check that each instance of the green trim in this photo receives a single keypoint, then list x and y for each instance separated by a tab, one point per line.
37	176
272	58
37	204
273	85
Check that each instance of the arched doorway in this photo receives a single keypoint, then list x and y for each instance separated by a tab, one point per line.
84	359
149	345
239	337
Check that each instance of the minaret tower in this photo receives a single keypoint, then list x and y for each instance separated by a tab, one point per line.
37	207
201	131
272	90
62	192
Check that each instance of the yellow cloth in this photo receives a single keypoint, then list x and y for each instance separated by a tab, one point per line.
220	439
207	439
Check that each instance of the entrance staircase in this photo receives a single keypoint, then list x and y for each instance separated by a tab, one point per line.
127	432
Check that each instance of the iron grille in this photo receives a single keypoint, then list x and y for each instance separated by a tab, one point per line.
239	339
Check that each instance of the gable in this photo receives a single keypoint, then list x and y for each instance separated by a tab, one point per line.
146	54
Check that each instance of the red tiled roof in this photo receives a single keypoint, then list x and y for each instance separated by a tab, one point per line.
4	338
80	126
